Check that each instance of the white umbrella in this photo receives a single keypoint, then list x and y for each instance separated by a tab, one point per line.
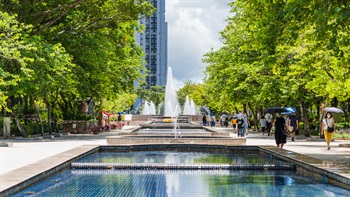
333	110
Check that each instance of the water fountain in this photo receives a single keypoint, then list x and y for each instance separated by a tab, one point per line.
149	108
170	95
175	117
152	109
145	110
193	108
189	107
165	129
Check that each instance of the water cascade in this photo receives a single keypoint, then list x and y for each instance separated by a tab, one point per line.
170	95
152	109
149	109
189	107
145	110
193	108
175	116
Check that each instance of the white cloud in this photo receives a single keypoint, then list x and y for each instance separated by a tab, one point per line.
193	29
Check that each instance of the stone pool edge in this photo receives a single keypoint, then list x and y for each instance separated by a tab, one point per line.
324	171
16	180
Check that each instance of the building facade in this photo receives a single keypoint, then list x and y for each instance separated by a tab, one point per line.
154	41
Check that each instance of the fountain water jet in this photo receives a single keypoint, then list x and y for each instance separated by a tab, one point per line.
145	110
189	107
152	109
193	110
149	108
170	95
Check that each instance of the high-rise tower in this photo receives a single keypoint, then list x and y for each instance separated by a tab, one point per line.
154	41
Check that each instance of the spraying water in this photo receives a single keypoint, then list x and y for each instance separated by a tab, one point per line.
174	117
189	107
145	110
170	95
152	109
149	108
193	110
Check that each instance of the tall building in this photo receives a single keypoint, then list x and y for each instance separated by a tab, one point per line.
154	41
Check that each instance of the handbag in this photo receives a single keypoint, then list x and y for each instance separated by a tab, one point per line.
329	129
290	129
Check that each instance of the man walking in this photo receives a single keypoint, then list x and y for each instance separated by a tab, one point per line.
268	119
293	122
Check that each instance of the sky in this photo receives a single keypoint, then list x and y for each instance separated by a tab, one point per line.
193	30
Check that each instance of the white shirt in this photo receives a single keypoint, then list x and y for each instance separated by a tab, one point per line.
328	122
268	117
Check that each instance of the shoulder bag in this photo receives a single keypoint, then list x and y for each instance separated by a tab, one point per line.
329	129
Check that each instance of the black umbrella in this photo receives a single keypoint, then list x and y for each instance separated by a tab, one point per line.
234	117
275	109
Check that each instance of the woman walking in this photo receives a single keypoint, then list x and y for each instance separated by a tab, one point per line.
263	124
328	128
280	130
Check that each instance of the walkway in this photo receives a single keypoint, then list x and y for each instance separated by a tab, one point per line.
24	152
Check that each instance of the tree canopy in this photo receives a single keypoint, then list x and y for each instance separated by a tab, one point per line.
281	53
63	52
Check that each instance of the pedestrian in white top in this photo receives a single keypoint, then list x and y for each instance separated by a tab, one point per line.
268	119
263	124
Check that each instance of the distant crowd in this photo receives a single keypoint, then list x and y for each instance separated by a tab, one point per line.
282	125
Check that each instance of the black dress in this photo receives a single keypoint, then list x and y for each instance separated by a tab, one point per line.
280	136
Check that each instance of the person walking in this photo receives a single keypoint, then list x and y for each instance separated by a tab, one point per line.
268	119
286	122
119	121
328	128
221	120
262	124
293	122
226	121
280	130
234	122
246	124
204	119
240	126
212	120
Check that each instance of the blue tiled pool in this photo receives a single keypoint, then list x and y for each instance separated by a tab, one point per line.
152	182
177	157
124	183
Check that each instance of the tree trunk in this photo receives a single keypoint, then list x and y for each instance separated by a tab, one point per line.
344	108
26	110
10	102
48	106
255	116
41	121
237	112
304	117
323	105
19	126
334	102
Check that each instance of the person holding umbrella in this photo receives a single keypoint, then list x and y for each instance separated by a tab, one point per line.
280	130
328	128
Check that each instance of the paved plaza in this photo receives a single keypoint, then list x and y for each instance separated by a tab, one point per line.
25	152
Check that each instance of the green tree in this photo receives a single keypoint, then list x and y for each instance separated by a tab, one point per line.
294	53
